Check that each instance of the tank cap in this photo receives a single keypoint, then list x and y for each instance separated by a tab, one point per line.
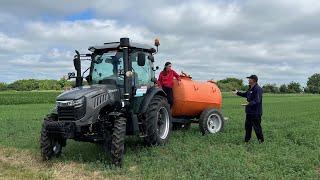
185	75
212	81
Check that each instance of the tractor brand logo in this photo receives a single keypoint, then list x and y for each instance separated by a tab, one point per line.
112	91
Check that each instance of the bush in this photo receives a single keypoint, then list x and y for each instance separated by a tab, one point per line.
230	84
3	86
24	85
32	84
49	85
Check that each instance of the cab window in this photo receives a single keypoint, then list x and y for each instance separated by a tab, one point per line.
142	73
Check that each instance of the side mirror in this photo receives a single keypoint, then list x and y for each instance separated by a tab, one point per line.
71	75
141	59
77	66
76	61
154	69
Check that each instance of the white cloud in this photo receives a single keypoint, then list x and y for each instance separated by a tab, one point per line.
86	32
277	40
11	44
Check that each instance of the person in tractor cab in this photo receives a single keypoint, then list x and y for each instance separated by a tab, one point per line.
253	108
165	81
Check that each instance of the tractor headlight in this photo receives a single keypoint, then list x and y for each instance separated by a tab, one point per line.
70	103
78	102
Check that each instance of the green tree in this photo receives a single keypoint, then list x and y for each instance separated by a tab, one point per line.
283	88
230	84
270	88
63	82
294	87
313	84
239	82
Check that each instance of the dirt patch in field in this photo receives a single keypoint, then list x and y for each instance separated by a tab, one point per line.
31	163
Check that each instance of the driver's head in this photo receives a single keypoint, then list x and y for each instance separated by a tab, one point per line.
167	66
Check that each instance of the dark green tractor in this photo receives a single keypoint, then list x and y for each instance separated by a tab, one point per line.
121	99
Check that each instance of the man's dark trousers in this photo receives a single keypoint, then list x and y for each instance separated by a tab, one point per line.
253	120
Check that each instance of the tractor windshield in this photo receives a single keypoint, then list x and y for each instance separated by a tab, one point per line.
107	66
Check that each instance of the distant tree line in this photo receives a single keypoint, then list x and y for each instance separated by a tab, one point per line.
226	85
313	86
292	87
33	84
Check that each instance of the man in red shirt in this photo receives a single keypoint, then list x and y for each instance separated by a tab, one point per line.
165	81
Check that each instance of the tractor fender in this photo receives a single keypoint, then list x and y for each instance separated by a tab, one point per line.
148	97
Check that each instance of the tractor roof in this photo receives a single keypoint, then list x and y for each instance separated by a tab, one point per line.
116	45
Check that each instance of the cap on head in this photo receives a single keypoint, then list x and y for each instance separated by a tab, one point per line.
254	77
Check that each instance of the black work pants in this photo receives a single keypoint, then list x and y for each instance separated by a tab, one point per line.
253	120
169	93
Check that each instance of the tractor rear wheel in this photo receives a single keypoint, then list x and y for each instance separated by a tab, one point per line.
50	147
117	142
211	121
158	121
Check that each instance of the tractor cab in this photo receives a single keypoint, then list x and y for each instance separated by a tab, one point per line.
108	64
130	68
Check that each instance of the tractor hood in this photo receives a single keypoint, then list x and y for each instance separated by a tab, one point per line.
87	91
83	104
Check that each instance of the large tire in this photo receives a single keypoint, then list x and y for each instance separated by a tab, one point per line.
158	121
50	147
117	142
211	121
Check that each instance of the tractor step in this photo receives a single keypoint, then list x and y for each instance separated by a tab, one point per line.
142	136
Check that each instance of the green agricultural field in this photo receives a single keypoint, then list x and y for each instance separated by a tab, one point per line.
292	149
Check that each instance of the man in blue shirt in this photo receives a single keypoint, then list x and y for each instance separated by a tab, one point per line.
253	108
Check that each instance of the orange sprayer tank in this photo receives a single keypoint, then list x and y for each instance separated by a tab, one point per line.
190	97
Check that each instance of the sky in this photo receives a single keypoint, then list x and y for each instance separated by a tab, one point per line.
210	39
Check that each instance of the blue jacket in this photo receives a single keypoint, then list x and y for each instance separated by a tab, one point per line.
254	97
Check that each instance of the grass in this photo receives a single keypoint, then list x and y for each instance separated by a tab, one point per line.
27	97
291	151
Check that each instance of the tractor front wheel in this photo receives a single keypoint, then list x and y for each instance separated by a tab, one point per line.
158	121
50	147
117	142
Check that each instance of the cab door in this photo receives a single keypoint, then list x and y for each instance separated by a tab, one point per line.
141	79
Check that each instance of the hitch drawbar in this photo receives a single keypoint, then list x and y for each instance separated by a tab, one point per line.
60	129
